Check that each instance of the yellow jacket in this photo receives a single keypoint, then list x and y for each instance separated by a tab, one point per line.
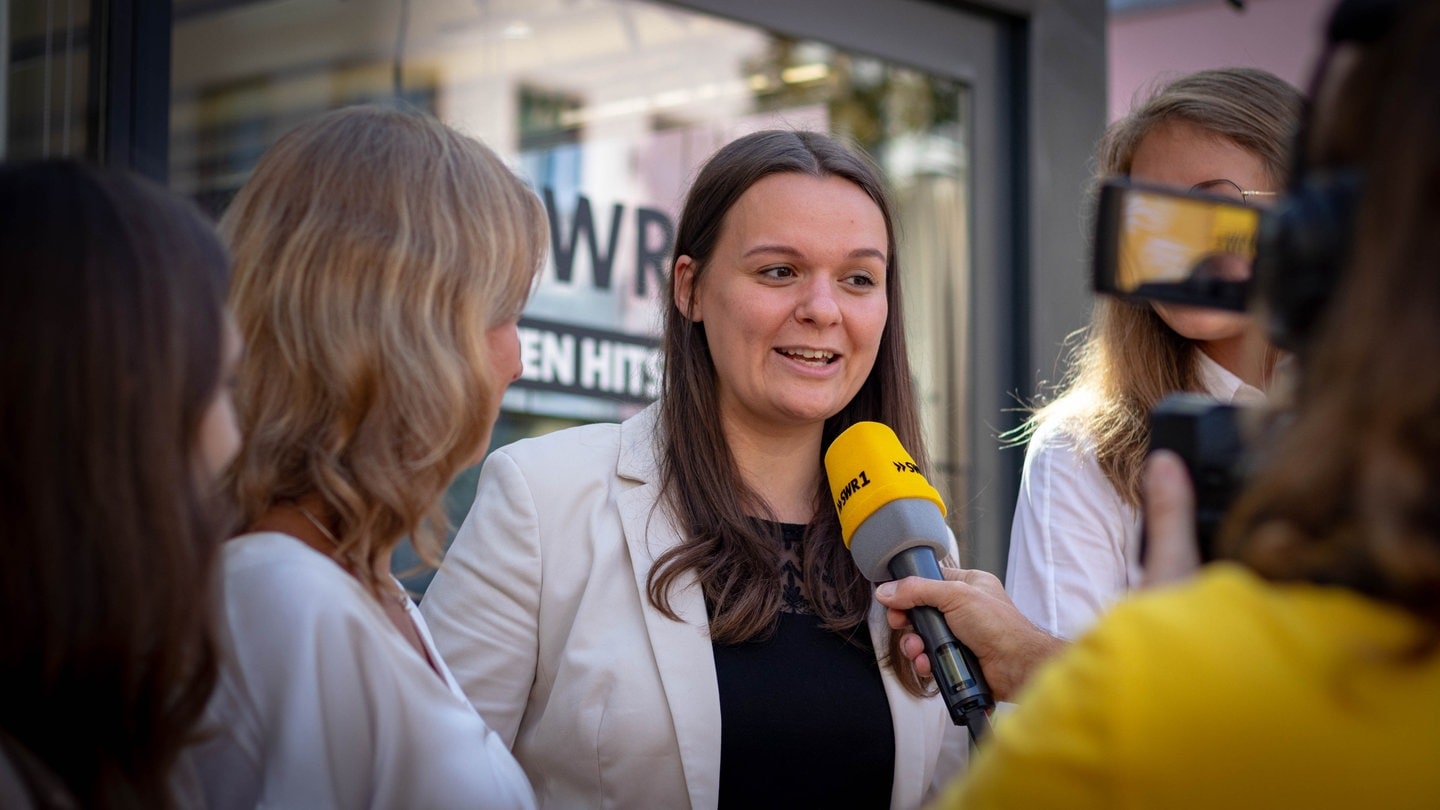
1228	691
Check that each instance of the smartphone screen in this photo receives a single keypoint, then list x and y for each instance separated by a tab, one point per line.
1172	246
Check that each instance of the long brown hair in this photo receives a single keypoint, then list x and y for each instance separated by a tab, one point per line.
1351	493
373	249
734	557
111	314
1129	358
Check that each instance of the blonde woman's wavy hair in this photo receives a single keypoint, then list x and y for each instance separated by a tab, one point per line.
1129	358
373	250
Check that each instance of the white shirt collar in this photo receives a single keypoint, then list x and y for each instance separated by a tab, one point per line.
1222	384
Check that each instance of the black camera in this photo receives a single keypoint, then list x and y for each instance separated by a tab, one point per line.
1206	435
1156	244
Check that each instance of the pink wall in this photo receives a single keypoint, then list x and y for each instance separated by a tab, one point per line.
1282	36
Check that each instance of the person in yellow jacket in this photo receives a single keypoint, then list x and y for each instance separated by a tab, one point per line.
1229	692
1305	671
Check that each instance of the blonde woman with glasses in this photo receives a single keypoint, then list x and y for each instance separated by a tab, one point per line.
381	263
1074	545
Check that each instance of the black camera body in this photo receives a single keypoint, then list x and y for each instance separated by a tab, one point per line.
1206	435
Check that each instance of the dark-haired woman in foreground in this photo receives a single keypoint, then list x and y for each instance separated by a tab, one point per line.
115	420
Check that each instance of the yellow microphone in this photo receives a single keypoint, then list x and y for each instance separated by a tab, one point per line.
893	522
868	469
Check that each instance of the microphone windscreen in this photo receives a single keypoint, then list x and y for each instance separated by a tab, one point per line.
868	468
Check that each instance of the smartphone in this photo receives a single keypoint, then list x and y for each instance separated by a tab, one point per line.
1176	247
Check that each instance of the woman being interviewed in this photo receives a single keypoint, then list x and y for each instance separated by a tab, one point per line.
116	422
381	263
661	613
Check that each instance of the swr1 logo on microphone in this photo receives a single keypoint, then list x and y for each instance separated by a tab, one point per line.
905	466
851	488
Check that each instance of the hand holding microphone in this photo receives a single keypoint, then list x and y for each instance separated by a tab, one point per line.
892	521
1009	646
977	609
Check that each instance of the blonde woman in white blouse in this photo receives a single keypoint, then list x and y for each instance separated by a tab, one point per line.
381	263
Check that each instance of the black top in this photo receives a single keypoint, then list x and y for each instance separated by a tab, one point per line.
804	720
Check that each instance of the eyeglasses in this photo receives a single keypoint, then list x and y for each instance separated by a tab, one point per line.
1226	188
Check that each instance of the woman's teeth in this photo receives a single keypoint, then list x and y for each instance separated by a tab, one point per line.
813	356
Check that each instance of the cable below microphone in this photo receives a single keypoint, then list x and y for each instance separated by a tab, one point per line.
893	522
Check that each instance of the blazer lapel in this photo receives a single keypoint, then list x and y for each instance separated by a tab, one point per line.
926	740
682	648
918	723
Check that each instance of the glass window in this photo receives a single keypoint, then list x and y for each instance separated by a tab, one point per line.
607	107
44	47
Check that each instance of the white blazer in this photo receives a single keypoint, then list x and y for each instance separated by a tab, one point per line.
540	609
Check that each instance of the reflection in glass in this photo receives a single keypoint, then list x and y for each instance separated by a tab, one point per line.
46	58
